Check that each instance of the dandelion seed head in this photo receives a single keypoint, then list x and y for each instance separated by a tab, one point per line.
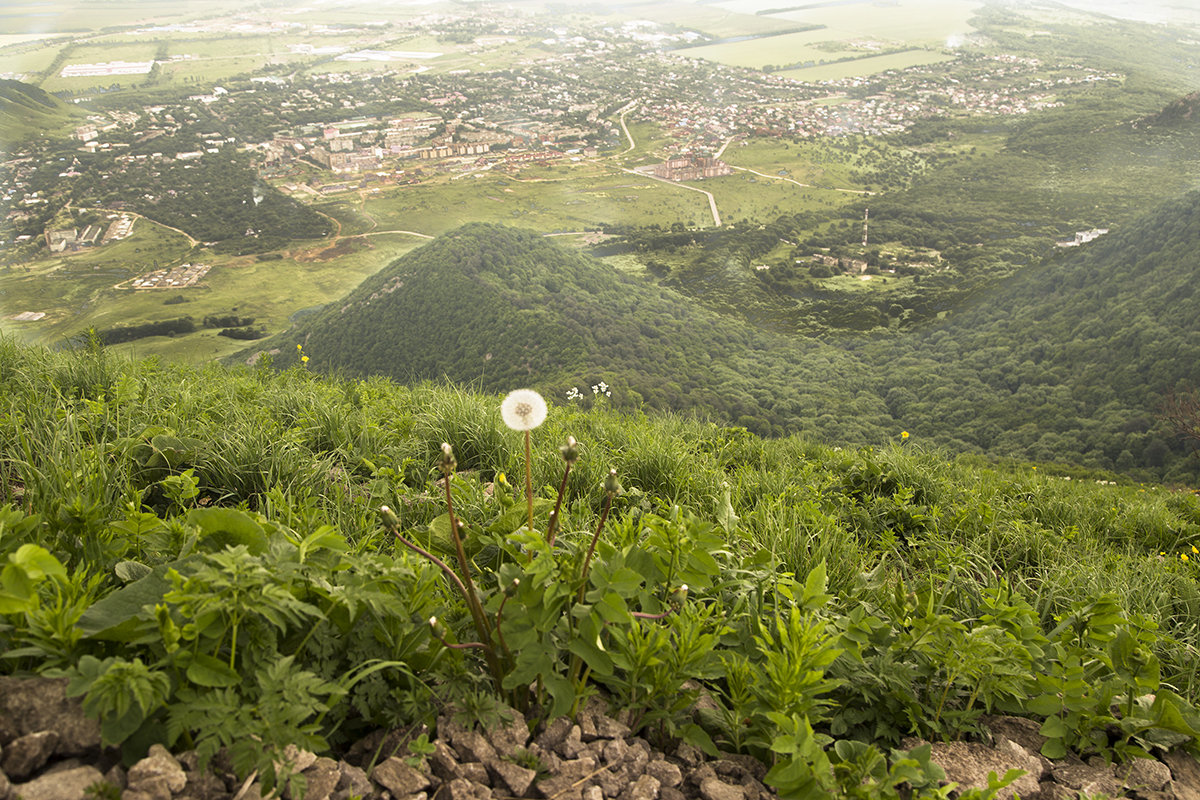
523	410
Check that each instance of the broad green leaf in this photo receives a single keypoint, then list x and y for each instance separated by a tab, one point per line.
1054	749
206	670
325	537
225	527
115	616
130	571
37	562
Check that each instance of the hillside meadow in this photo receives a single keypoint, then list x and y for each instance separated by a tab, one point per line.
193	545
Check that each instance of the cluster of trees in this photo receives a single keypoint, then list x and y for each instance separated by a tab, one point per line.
215	198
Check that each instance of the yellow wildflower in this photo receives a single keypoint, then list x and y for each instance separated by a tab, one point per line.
1194	550
1183	556
903	434
303	359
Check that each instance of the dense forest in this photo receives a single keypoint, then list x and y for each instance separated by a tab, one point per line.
1069	361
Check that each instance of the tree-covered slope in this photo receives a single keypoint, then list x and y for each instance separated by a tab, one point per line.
1070	359
500	307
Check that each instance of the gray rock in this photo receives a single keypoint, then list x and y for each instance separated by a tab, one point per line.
158	763
27	754
1088	778
587	725
399	778
204	786
1145	773
152	788
688	755
352	783
29	705
516	778
968	765
512	735
1025	732
670	793
572	745
117	776
612	783
717	789
473	746
614	750
462	789
638	756
555	788
577	768
644	788
443	762
1185	775
593	793
69	784
476	773
554	734
609	728
666	773
321	779
5	786
295	760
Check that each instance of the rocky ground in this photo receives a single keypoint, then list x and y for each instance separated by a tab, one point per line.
50	751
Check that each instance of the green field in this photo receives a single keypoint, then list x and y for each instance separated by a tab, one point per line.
713	20
867	66
89	15
78	291
791	48
911	21
566	196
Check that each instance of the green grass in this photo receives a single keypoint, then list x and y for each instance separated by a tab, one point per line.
562	197
870	594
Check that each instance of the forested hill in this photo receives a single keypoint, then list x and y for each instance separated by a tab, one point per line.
1069	360
499	307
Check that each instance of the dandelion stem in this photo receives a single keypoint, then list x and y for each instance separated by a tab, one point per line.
552	527
587	561
529	480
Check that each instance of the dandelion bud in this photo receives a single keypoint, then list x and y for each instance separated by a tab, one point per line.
447	462
611	484
437	628
511	589
570	450
389	517
679	595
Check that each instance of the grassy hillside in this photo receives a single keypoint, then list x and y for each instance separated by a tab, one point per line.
27	111
207	542
497	306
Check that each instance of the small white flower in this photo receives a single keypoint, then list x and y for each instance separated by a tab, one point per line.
574	394
595	389
523	410
604	388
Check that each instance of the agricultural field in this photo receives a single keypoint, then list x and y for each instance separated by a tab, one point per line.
871	65
756	53
73	16
842	29
715	21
